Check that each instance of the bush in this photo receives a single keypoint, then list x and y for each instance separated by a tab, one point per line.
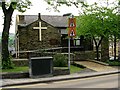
60	60
8	64
113	63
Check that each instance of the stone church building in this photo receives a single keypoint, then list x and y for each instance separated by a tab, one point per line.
35	32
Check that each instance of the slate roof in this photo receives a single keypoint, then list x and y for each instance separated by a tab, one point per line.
56	21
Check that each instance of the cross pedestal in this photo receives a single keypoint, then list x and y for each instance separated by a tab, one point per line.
40	28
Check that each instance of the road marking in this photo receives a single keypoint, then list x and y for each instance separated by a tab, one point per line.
26	86
59	82
86	78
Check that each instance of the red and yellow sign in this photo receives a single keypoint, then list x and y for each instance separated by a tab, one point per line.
72	27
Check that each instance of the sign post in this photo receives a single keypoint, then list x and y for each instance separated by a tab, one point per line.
71	34
69	54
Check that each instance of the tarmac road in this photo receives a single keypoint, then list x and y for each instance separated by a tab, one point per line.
106	81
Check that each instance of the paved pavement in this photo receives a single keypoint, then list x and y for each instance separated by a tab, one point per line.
101	70
96	66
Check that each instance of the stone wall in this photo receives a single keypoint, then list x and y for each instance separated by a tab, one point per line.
76	56
84	55
21	63
29	37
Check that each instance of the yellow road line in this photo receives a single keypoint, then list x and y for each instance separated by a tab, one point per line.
59	82
26	86
85	78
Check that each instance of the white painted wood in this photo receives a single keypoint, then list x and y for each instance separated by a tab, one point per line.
40	28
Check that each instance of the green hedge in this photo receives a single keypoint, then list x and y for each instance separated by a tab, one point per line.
113	63
59	60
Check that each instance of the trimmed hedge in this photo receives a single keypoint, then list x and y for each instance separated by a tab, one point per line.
59	60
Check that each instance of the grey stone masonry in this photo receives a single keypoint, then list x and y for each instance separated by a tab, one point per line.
29	37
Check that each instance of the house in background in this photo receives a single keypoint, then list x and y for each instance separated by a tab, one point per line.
35	32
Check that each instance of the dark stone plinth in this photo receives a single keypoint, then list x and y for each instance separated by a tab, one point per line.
40	66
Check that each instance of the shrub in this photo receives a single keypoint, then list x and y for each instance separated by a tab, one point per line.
60	60
8	64
113	63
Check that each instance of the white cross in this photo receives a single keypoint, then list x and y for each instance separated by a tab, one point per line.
39	27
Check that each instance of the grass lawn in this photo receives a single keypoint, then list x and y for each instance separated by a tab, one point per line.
73	69
16	69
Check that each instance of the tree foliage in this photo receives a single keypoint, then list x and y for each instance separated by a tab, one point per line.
8	8
19	5
58	3
98	22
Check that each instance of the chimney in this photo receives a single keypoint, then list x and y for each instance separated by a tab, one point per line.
39	16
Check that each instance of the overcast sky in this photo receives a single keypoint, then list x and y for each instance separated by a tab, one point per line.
39	6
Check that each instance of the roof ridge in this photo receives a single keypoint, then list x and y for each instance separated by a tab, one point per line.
41	15
55	20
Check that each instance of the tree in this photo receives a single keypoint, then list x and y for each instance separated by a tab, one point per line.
104	10
115	33
105	49
119	30
97	23
100	13
8	9
58	3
